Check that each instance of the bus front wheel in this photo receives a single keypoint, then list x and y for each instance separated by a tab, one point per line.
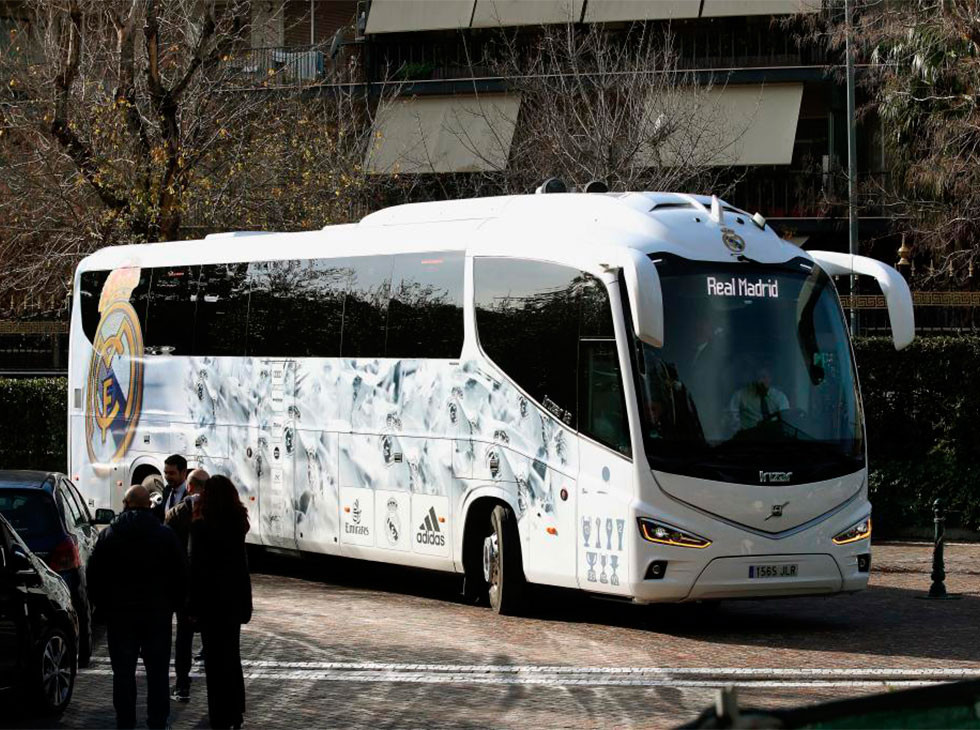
502	569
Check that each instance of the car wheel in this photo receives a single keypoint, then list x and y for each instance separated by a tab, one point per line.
54	673
502	568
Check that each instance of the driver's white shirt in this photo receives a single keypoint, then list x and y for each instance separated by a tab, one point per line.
746	405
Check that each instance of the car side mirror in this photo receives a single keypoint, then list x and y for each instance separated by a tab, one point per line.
19	562
103	516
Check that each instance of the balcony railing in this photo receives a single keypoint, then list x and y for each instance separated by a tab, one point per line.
286	65
785	193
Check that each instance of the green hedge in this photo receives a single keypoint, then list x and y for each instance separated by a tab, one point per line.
923	417
34	423
921	405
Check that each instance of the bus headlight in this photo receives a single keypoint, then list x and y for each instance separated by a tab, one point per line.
856	532
668	535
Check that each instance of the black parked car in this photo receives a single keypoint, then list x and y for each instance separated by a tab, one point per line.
51	517
38	628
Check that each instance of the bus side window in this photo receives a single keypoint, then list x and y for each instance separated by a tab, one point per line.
295	307
89	292
366	306
527	316
602	402
425	314
171	310
222	310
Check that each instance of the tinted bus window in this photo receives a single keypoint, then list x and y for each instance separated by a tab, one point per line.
296	308
602	400
171	310
425	314
527	316
222	310
89	291
366	306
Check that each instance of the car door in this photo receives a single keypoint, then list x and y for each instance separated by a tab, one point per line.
11	609
82	528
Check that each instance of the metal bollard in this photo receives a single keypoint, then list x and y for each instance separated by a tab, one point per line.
938	587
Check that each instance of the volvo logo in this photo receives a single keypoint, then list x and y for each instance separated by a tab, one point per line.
777	511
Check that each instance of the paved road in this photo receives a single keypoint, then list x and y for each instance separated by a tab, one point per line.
347	643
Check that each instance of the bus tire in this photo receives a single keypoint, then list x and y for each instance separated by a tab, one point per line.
502	568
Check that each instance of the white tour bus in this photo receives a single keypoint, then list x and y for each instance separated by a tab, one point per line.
643	395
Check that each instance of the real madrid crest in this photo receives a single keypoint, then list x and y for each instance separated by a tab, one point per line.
115	375
734	242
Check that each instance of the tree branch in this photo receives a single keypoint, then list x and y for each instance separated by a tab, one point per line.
79	152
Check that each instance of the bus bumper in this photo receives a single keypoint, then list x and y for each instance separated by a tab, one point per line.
692	575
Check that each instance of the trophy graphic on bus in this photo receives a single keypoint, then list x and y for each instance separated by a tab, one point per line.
586	529
590	559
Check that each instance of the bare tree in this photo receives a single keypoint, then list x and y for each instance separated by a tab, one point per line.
142	120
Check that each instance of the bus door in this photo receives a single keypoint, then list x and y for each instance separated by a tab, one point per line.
274	437
605	482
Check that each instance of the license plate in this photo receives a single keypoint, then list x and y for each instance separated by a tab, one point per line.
773	570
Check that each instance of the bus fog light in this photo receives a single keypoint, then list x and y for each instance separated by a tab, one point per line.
858	531
665	534
656	570
864	563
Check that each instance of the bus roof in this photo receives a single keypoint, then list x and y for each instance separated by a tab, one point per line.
573	227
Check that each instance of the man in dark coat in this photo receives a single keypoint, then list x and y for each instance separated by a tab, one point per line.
137	578
175	476
179	520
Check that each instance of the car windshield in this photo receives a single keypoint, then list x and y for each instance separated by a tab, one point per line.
29	511
755	381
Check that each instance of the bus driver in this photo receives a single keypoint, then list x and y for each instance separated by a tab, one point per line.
757	401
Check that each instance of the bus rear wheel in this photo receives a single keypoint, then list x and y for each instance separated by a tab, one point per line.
502	570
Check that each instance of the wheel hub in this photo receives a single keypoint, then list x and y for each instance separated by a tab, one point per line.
56	671
490	553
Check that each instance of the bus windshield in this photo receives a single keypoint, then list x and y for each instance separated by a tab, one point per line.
755	382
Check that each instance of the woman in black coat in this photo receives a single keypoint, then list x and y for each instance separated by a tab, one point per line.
221	595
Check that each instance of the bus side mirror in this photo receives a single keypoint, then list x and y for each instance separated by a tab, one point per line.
898	298
646	298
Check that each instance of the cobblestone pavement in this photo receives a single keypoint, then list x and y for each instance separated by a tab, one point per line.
343	643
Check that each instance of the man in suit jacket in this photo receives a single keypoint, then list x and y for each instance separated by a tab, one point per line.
175	475
179	520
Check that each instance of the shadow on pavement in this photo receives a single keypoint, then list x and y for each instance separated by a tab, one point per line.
881	621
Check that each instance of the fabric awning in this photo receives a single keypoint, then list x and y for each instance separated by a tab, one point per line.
715	8
444	134
493	13
731	125
403	16
611	11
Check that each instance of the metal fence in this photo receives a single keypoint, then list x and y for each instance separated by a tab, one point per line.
936	313
284	65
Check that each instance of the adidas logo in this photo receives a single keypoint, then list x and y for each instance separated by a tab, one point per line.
429	532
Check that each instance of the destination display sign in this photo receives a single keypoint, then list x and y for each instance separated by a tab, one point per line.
738	287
